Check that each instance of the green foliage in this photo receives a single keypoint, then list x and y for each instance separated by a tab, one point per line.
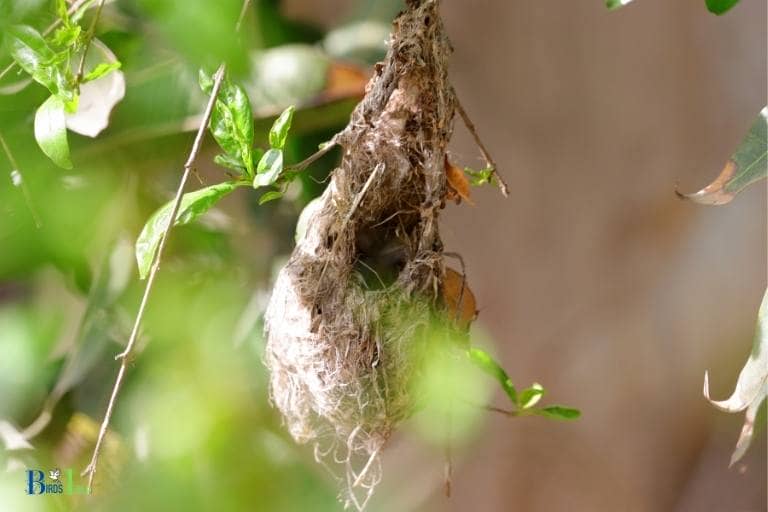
50	63
523	403
531	396
488	364
192	206
279	131
720	6
231	123
271	195
51	131
558	412
615	4
481	177
101	70
269	169
46	66
715	6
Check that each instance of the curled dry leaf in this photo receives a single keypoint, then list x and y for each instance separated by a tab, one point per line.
344	81
98	97
458	298
747	165
752	385
458	184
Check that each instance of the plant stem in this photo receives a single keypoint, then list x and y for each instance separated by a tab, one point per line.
18	181
88	39
486	155
125	355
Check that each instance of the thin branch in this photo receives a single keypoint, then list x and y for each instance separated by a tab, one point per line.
315	156
88	40
53	26
125	355
18	180
486	155
243	12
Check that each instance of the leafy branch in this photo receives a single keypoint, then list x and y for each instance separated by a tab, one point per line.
125	355
47	58
524	402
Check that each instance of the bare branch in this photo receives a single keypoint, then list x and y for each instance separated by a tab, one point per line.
125	355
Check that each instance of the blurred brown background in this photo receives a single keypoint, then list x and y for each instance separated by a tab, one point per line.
593	278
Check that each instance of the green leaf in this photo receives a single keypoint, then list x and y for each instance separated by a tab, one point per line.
481	177
231	121
269	169
615	4
101	70
558	412
280	128
720	6
531	396
48	68
66	36
51	131
485	362
205	80
752	384
192	206
270	196
229	162
747	165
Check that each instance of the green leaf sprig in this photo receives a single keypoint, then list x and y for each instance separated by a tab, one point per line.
523	403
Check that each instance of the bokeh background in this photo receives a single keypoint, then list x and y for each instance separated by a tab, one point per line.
592	278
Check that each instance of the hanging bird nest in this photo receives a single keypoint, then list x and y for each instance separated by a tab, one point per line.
348	319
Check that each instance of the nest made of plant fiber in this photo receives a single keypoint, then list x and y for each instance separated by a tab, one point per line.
348	315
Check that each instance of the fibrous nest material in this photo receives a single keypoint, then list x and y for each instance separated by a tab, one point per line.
349	313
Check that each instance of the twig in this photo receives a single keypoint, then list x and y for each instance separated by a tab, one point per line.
88	40
18	181
486	155
314	157
125	355
243	12
53	26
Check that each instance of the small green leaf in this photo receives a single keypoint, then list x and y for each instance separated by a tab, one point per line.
192	206
205	80
229	162
231	121
747	165
102	69
270	196
66	36
481	177
485	362
558	412
720	6
280	128
51	131
531	396
48	68
269	169
615	4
